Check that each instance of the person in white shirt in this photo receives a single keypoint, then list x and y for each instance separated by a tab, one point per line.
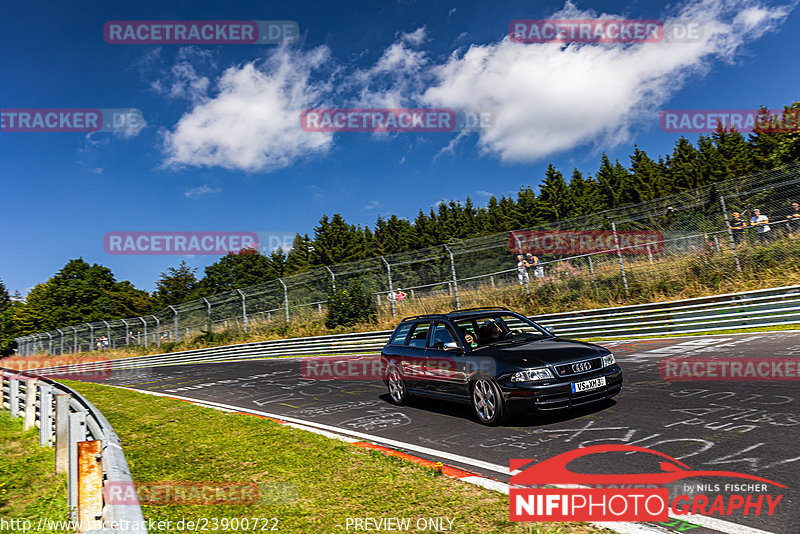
522	270
761	222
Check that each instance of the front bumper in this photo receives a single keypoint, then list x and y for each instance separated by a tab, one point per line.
558	395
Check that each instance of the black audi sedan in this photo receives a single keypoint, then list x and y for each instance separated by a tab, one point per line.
496	360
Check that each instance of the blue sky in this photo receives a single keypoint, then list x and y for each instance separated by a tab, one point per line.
223	151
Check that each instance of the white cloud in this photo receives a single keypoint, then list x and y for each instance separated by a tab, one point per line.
543	98
253	122
546	98
375	204
201	191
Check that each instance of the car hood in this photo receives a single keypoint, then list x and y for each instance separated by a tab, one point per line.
539	352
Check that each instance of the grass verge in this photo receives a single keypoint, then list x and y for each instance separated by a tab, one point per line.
310	483
29	490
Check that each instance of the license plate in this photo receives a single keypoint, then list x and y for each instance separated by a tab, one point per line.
586	385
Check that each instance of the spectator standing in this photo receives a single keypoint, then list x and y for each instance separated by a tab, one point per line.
538	270
793	218
761	222
522	270
737	225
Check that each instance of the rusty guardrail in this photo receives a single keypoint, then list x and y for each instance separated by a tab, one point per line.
86	449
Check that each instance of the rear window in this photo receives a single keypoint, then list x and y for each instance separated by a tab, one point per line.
419	335
401	334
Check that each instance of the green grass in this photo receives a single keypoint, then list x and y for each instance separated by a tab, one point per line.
309	483
28	488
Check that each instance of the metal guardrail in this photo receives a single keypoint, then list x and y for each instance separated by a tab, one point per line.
86	449
759	308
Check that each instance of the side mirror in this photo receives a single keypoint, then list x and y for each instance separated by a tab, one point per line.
452	346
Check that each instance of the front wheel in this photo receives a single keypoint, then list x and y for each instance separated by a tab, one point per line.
398	392
487	402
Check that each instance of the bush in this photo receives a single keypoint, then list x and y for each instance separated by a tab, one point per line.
351	305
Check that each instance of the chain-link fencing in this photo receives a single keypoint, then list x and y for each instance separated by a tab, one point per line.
746	224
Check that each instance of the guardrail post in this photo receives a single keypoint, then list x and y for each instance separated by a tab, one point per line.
285	298
90	485
62	432
244	310
730	231
76	433
455	279
30	404
391	289
619	254
45	414
13	396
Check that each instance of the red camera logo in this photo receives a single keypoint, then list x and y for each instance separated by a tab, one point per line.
623	504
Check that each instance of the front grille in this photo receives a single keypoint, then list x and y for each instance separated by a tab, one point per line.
577	368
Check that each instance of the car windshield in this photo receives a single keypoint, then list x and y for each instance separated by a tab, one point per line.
492	328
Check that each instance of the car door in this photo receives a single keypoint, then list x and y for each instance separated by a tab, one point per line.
414	356
444	368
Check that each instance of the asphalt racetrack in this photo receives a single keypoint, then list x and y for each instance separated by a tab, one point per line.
750	427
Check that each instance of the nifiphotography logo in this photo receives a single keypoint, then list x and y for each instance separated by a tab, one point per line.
629	496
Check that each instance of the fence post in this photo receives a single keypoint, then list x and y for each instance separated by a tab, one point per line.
127	332
91	337
455	279
75	346
619	254
174	323
333	278
208	314
49	343
30	404
591	265
730	231
145	330
158	330
61	342
391	289
244	309
285	298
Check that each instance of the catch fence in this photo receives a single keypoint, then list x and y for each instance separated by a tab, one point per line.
622	249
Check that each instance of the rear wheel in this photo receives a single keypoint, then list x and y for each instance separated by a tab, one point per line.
487	402
398	392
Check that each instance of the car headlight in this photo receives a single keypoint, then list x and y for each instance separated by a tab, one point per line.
609	359
529	375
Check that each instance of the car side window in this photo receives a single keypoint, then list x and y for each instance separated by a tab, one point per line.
401	334
441	335
419	334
